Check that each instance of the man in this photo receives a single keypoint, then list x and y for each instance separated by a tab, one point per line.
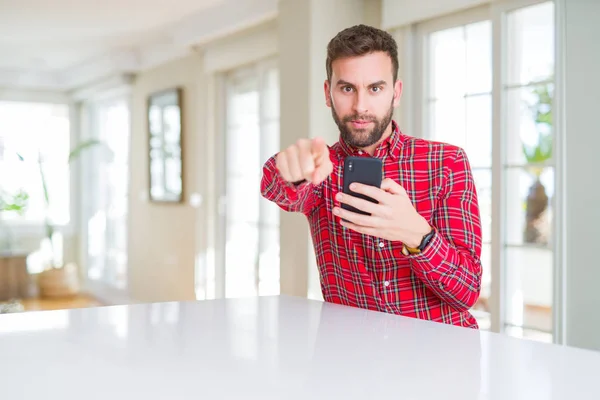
418	253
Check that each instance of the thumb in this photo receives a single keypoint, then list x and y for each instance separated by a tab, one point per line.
322	172
319	149
323	165
391	186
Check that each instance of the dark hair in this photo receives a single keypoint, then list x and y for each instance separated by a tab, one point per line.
358	41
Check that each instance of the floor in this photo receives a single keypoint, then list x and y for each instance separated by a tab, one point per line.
80	301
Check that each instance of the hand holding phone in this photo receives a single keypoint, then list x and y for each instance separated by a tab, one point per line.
365	170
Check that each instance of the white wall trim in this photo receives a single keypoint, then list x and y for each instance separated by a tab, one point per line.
506	6
100	68
33	96
231	53
466	17
111	87
29	79
498	277
398	13
208	25
559	305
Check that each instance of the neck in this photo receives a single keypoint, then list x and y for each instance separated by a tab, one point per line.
386	134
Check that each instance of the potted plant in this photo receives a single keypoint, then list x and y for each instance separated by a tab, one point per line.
537	155
58	279
13	263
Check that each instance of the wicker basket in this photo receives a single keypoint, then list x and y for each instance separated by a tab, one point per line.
59	282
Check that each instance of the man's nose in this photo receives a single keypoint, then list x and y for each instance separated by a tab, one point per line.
361	102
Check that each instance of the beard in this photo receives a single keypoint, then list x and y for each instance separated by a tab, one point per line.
362	137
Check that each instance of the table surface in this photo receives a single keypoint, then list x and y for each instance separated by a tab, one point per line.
275	348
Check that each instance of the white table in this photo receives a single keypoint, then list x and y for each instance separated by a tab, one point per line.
275	348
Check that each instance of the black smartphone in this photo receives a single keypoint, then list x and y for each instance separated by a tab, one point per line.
365	170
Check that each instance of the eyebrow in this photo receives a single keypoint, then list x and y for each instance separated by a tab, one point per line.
378	83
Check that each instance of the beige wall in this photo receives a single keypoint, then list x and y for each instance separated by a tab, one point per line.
162	237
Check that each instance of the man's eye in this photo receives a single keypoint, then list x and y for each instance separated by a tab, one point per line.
347	89
376	89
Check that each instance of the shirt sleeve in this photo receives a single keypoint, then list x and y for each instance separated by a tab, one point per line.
450	265
304	197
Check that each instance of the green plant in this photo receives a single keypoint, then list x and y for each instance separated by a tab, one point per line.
49	225
537	155
11	203
541	151
16	202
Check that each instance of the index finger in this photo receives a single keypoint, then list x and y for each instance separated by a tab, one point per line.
307	164
371	191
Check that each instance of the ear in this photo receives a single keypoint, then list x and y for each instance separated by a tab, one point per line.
327	89
397	92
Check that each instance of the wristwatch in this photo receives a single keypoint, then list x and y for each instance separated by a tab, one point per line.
421	247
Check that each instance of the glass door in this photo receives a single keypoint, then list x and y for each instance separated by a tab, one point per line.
528	171
251	253
105	208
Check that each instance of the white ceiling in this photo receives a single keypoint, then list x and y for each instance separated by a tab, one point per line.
64	44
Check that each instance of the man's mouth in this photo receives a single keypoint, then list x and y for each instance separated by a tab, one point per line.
360	123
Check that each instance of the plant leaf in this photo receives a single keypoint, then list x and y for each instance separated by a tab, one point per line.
75	152
44	185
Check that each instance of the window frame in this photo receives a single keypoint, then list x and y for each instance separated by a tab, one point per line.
421	58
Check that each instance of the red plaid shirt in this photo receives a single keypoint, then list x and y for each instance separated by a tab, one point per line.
440	284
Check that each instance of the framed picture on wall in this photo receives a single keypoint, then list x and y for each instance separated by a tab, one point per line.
165	166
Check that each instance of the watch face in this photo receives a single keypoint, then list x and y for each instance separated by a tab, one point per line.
426	240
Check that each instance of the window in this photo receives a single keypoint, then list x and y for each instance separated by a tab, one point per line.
490	91
106	198
459	111
36	132
251	222
528	170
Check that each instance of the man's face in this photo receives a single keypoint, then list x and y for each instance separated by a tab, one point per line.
362	96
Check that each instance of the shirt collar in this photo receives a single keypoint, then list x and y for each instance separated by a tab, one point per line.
390	146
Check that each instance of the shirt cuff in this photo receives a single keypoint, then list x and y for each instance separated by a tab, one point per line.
291	189
433	256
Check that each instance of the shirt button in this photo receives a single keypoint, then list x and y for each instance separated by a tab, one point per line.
381	244
360	152
386	283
